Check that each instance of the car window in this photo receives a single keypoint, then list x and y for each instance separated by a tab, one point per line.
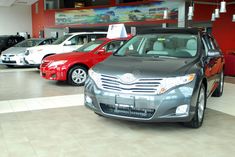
113	46
61	39
204	45
46	42
79	40
11	42
168	45
29	43
90	46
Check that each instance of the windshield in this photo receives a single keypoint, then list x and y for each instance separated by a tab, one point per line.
90	46
61	39
29	43
2	40
161	45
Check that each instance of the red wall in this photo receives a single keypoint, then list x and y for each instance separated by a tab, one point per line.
224	30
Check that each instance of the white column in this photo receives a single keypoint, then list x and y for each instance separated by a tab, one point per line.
181	14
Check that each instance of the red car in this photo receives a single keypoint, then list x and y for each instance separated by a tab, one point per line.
73	67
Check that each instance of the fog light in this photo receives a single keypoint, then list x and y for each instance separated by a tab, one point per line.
182	109
88	99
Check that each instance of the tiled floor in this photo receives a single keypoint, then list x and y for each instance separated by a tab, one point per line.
40	118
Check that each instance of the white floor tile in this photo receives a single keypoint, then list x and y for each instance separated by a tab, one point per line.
41	103
5	107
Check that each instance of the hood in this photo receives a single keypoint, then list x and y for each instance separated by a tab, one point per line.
14	50
66	56
144	67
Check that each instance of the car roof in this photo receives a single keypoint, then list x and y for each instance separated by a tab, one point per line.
76	33
7	36
108	39
194	31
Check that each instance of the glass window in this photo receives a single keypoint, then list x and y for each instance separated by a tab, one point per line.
113	46
79	40
61	39
29	43
168	45
90	46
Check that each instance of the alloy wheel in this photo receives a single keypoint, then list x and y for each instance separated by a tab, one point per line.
201	104
79	76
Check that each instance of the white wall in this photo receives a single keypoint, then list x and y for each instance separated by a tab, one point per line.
14	19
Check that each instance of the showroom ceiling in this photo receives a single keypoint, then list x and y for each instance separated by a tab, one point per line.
7	3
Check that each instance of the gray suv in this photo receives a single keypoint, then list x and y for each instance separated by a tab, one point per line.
165	76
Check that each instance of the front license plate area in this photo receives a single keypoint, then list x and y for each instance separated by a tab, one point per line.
125	101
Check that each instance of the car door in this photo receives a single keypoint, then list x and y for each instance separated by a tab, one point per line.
211	65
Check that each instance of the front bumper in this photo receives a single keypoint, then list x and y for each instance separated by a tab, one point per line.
139	107
13	60
53	73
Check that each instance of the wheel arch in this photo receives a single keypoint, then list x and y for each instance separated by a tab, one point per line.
76	64
48	55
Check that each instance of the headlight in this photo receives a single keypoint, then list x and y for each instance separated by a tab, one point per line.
169	83
56	63
95	77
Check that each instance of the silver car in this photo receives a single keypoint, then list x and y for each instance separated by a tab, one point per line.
164	76
14	56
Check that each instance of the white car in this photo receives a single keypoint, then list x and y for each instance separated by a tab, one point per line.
14	56
66	43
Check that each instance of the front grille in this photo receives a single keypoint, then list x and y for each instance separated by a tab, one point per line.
127	112
8	56
142	85
8	61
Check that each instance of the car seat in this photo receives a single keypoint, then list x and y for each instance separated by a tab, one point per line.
192	46
158	48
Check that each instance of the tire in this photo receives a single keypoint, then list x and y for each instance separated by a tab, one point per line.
198	117
77	75
220	89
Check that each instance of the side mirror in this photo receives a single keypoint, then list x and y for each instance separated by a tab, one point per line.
67	43
213	53
101	51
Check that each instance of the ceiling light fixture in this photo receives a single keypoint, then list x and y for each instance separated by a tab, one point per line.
165	14
223	7
233	20
190	11
217	13
213	17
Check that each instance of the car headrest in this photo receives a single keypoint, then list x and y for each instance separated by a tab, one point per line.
158	46
191	44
